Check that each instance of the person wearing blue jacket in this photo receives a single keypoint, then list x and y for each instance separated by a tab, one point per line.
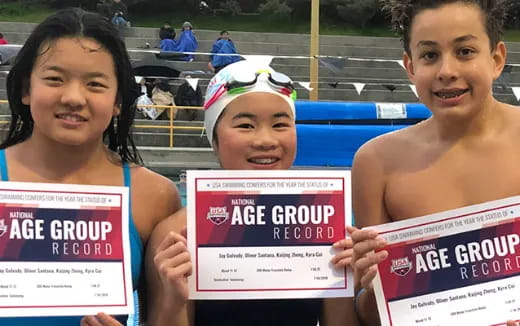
187	41
223	45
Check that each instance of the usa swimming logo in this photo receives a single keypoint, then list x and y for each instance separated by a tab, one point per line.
218	215
3	227
401	266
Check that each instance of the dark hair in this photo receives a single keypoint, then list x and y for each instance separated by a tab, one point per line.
404	11
1	35
222	32
166	32
75	22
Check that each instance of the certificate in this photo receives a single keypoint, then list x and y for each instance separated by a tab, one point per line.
267	234
64	250
458	267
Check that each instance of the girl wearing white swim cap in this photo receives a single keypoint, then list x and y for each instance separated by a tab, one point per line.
250	117
250	122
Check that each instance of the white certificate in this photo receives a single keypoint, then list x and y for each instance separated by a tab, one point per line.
267	234
458	267
64	250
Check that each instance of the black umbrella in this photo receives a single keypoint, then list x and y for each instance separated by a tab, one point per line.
153	65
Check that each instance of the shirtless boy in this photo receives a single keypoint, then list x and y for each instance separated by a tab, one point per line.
468	151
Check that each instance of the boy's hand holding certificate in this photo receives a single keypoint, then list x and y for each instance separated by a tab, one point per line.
267	234
458	267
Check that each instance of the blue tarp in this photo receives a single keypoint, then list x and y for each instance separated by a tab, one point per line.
308	110
333	144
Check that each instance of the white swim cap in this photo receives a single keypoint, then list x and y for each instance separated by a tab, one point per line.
238	79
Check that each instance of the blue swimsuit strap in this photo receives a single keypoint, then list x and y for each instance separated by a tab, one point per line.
135	238
3	166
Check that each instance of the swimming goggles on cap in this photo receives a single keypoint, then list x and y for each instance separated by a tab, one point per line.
241	82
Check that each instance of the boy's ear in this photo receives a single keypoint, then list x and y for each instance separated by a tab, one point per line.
499	59
408	65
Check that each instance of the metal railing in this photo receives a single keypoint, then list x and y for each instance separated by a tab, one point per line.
171	127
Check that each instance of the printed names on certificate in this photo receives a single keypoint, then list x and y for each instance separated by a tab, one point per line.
251	268
25	284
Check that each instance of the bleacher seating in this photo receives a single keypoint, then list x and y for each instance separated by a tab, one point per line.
372	61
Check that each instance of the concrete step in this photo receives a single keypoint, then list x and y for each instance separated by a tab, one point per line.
288	49
163	139
334	78
16	37
302	49
351	48
16	27
332	81
339	88
170	161
340	62
344	91
238	36
328	67
302	75
396	72
401	94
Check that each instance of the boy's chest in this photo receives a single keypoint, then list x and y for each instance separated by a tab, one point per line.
453	182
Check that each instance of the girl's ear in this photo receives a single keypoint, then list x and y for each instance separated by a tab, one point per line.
26	92
116	110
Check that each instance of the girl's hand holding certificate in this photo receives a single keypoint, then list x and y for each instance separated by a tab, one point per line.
100	319
173	263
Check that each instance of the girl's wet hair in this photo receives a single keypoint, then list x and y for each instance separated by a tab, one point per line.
71	23
403	12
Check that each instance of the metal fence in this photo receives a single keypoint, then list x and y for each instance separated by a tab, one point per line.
171	127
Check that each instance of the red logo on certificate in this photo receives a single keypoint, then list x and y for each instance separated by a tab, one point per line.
401	266
218	215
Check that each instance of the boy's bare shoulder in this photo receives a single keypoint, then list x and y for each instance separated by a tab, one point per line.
394	145
513	110
512	118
